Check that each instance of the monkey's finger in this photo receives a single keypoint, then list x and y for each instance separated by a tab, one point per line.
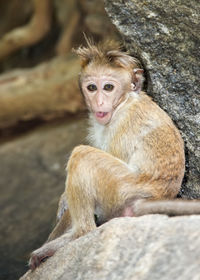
40	256
34	262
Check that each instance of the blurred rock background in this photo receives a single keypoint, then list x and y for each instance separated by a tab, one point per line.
42	115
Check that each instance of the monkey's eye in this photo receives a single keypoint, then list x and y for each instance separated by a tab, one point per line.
108	87
92	87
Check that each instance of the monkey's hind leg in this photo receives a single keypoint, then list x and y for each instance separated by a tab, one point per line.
98	180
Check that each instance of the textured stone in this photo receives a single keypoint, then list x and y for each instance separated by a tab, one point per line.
164	35
32	178
148	247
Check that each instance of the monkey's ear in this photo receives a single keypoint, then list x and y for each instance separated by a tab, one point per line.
137	80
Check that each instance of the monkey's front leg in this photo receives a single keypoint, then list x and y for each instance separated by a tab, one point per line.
60	234
78	200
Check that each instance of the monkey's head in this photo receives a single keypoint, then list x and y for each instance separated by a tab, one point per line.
107	76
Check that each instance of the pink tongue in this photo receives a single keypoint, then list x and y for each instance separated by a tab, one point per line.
101	114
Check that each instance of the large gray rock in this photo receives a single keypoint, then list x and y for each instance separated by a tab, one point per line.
165	36
32	178
149	247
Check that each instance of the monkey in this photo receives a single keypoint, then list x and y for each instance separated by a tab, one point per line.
135	162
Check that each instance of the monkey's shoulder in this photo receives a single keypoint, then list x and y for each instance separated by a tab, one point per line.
144	111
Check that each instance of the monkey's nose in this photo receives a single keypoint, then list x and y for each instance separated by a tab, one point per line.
99	100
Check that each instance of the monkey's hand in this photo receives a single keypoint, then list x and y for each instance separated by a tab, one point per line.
48	249
40	255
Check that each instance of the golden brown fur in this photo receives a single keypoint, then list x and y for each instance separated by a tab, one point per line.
136	154
106	53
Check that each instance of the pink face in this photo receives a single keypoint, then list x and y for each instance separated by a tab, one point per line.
102	95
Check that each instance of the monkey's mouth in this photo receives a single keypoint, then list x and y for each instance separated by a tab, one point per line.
101	115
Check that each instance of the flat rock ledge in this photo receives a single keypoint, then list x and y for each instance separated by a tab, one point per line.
147	247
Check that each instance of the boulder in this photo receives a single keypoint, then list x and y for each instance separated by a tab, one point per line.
164	35
148	247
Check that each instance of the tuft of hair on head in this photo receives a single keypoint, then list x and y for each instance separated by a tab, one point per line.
106	53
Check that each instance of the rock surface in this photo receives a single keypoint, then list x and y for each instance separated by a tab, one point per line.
148	247
165	36
32	178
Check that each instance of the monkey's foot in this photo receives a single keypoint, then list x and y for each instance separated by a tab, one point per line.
40	255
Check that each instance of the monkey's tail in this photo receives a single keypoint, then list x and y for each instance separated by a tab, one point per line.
176	207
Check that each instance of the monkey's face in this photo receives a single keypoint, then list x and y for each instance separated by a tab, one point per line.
103	93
